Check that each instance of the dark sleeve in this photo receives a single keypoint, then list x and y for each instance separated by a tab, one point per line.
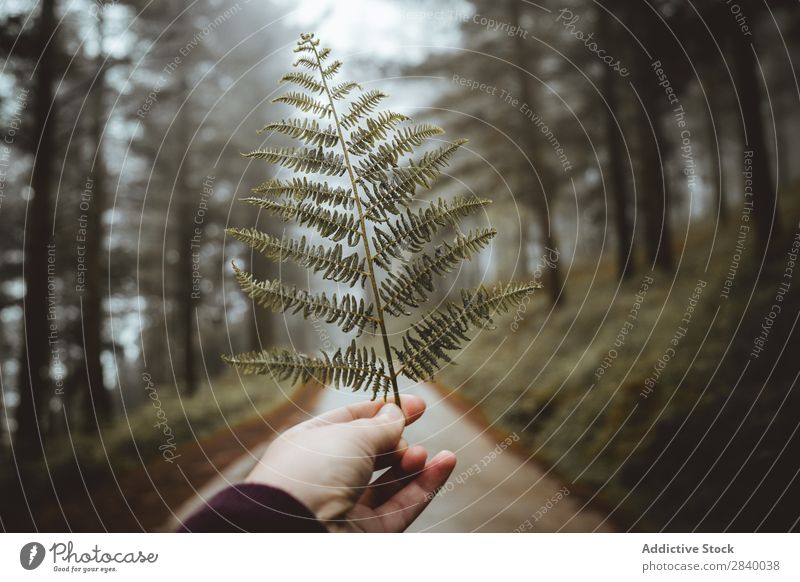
250	507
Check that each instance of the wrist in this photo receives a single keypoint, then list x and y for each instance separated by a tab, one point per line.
317	499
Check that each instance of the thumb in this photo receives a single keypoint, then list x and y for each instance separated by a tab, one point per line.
382	432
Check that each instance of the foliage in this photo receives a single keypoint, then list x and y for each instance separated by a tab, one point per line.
372	222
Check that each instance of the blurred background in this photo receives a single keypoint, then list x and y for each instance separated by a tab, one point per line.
639	156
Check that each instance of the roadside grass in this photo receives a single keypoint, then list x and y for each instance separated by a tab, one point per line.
656	453
138	434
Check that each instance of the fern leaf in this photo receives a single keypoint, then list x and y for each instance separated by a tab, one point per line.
306	130
344	89
361	107
304	80
413	230
305	160
370	149
304	189
355	367
307	44
347	312
363	138
331	261
398	186
332	70
425	171
305	62
427	343
411	286
388	154
304	103
331	224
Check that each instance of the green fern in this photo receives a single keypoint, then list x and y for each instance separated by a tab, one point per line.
375	216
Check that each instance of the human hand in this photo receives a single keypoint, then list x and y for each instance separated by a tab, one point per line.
327	463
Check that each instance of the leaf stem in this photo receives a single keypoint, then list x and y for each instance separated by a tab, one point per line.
363	223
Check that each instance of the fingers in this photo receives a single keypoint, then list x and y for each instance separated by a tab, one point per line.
413	407
392	457
398	512
381	433
407	467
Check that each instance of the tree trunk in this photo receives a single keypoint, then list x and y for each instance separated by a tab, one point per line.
763	198
715	158
653	183
619	181
34	380
552	270
783	147
537	195
620	193
97	405
188	244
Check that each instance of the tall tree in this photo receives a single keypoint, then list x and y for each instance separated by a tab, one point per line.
97	405
34	384
185	299
538	189
741	38
654	184
754	142
616	149
714	146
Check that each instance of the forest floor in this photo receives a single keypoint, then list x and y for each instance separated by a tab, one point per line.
701	436
126	485
495	487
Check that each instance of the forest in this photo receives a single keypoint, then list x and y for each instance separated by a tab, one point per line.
639	160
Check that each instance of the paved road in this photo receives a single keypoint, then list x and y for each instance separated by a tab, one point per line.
493	488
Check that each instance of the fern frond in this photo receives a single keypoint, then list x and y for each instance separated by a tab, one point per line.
304	189
305	62
305	160
411	286
304	80
303	47
415	229
304	103
347	312
355	367
363	138
426	344
414	136
398	186
361	107
428	168
342	90
350	269
332	70
307	43
388	154
331	224
306	130
375	152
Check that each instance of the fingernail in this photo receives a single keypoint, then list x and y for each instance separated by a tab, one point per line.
390	412
440	456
